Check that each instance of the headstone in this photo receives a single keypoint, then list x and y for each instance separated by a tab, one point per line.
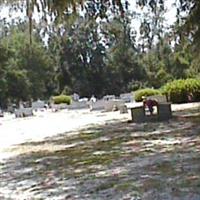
127	97
75	97
138	114
11	108
38	104
24	112
77	105
123	109
109	97
164	111
109	105
98	105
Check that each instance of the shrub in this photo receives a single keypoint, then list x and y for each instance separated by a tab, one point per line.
182	91
145	92
62	99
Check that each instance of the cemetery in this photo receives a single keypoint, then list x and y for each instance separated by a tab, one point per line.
108	103
99	100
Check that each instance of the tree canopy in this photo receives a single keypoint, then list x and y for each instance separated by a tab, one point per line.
94	47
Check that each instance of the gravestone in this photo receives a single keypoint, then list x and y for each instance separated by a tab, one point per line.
38	104
127	97
23	112
109	97
98	105
163	113
138	114
123	109
113	104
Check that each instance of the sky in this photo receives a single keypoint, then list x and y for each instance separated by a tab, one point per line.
170	15
171	12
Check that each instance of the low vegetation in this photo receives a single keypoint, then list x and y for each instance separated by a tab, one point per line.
182	91
145	92
177	91
62	99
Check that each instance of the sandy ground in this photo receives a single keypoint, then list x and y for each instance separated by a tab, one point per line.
107	161
46	124
179	107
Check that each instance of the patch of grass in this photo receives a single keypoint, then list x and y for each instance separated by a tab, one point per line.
126	186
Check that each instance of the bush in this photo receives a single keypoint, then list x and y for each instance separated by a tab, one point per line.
182	91
145	92
62	99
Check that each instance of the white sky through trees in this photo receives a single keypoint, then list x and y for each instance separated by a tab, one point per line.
170	15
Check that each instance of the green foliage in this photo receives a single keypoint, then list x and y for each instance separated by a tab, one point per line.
136	85
18	85
90	56
62	99
81	66
67	91
182	91
26	72
122	58
145	92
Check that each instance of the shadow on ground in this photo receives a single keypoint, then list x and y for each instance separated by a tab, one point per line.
115	161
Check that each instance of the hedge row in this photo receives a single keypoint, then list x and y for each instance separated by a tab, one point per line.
182	91
145	93
177	91
62	99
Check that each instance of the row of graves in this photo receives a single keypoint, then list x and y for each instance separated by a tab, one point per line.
107	103
153	108
27	109
24	109
111	103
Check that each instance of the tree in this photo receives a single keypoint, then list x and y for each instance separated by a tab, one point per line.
191	21
152	24
4	55
27	75
59	9
18	85
81	65
122	55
